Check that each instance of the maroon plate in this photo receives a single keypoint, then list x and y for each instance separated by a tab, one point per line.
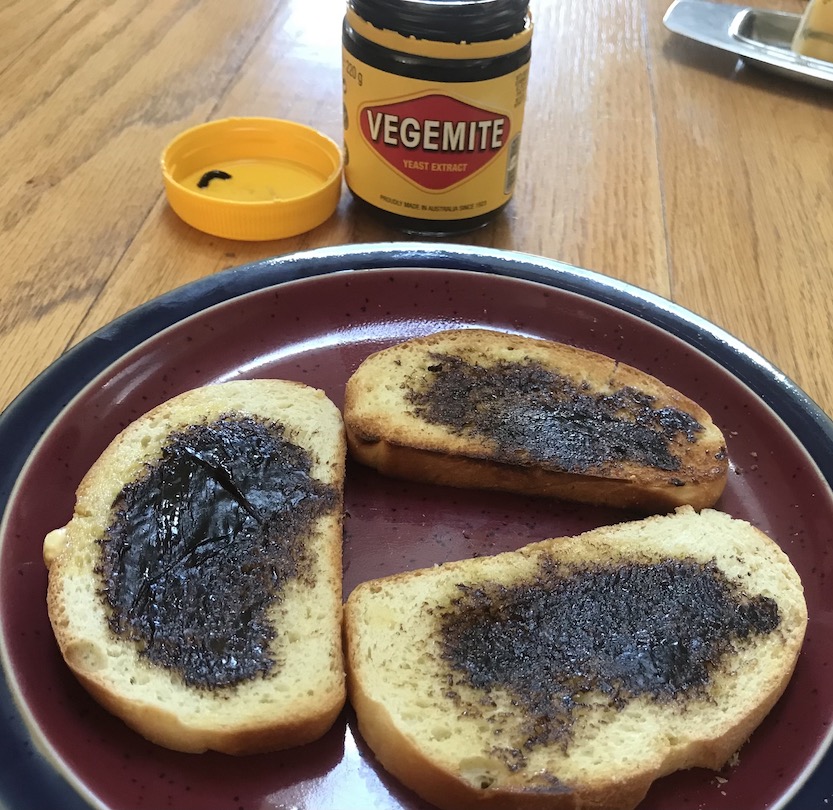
317	331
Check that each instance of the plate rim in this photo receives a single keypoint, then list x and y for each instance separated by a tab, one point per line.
82	364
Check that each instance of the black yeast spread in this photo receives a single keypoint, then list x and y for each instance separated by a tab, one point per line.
598	634
434	97
202	545
532	414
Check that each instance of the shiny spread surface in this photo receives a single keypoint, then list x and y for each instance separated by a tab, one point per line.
600	635
532	414
203	544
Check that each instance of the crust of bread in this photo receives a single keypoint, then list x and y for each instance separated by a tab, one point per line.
293	706
432	467
383	431
419	734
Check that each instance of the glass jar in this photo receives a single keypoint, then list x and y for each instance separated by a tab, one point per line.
434	95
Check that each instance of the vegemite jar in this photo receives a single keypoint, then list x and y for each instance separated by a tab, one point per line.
434	94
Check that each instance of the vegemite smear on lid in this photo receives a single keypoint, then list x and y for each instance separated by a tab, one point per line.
252	178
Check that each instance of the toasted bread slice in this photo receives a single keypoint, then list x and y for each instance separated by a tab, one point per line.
196	591
574	672
486	409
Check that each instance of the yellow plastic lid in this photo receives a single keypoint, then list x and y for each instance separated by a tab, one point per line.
253	178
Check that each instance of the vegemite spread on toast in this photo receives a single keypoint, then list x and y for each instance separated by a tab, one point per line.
595	634
534	415
203	543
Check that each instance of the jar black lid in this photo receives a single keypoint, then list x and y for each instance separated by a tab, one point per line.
446	20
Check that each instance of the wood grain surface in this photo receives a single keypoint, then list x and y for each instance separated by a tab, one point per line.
647	157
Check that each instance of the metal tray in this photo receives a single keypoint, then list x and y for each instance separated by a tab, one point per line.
760	38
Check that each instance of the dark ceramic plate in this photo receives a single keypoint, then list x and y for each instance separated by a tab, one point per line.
313	317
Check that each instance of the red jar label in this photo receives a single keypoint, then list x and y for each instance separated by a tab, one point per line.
434	140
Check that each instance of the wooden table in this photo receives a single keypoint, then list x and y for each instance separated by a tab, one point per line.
647	157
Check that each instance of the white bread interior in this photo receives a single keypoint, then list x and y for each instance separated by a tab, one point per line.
444	747
294	705
385	432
